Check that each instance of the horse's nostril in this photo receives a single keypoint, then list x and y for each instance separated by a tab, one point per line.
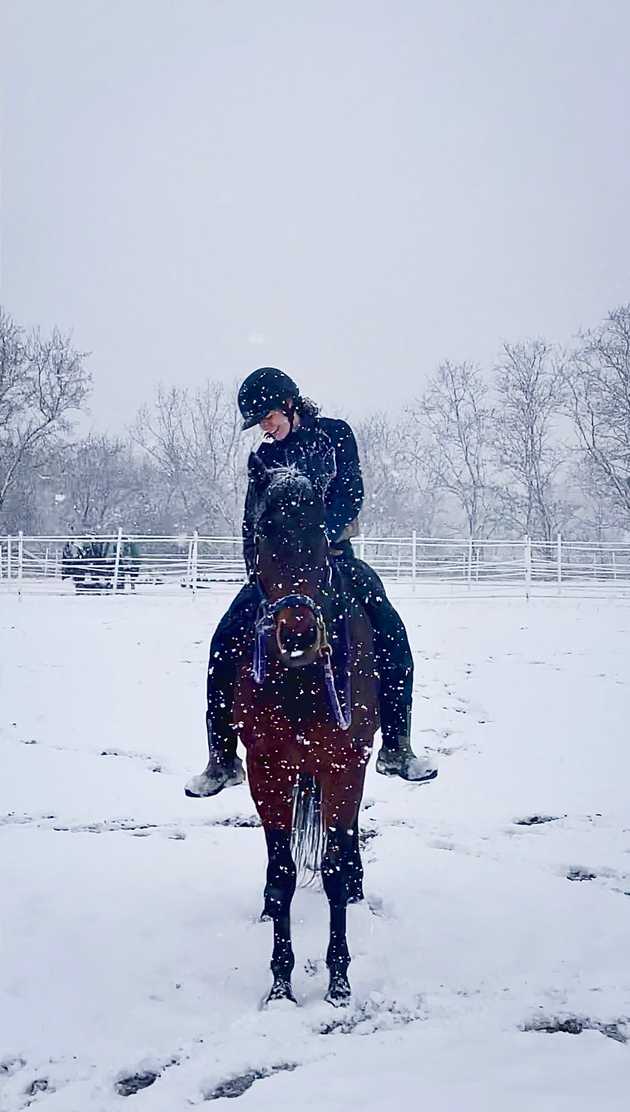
297	641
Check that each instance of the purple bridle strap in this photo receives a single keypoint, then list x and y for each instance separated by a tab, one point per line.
263	627
343	717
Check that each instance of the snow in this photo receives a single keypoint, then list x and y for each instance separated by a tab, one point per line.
130	937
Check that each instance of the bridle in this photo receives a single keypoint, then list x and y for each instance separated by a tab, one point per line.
265	623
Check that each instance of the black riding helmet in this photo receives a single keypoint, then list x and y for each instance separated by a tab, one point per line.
264	390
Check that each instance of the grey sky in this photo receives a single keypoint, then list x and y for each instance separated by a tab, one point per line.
350	190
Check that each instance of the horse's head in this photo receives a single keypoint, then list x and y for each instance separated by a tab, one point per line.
292	550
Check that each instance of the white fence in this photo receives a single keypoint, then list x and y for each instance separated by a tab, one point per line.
121	562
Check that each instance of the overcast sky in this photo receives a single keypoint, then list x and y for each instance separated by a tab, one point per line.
350	190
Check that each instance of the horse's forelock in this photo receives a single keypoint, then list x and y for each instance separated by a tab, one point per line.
289	482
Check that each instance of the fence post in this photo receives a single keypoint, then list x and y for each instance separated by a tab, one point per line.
362	546
20	559
117	562
614	565
194	559
470	561
9	557
559	560
189	563
528	565
414	556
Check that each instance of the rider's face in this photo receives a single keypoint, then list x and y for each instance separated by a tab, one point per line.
276	424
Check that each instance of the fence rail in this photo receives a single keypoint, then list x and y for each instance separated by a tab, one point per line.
118	562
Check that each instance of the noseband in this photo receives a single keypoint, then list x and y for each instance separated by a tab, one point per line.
264	625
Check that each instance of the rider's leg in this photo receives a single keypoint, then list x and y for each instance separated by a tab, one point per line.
230	642
395	664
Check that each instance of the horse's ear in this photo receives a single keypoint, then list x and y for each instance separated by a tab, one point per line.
258	473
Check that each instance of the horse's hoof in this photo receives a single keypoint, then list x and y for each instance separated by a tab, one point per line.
339	991
281	990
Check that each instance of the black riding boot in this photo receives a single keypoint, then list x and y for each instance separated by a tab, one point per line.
397	758
231	641
395	665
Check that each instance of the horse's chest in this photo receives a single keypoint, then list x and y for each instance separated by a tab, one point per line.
286	699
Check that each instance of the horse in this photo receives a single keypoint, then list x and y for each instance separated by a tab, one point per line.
306	712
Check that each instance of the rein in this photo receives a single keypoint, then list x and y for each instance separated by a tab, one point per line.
341	708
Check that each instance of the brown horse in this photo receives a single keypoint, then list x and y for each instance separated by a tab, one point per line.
306	713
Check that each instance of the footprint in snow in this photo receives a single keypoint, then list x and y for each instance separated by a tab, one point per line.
367	834
11	819
579	873
377	1013
618	1029
447	750
38	1085
128	1083
151	762
11	1065
453	847
376	906
606	878
127	826
236	1086
134	1082
537	820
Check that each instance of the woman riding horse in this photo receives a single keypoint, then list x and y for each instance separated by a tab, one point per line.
307	711
295	434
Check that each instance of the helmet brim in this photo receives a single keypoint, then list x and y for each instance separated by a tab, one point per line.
249	422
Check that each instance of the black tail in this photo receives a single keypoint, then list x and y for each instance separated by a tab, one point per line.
307	836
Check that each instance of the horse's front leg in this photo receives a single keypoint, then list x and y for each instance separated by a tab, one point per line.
279	890
337	876
355	878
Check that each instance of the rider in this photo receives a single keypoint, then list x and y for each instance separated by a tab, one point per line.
293	433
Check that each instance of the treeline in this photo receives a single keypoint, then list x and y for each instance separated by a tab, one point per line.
538	445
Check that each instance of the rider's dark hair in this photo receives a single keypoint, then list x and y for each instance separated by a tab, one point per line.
306	407
303	406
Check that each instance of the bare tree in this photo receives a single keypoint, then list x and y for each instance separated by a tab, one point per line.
429	509
597	515
195	442
104	485
42	380
450	440
385	476
598	385
530	394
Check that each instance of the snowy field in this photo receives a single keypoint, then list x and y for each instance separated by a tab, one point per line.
491	959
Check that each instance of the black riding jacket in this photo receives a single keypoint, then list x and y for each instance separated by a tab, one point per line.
315	436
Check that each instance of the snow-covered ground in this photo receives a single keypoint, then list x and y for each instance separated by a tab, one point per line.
498	897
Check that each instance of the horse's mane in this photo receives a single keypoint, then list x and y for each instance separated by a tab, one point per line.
289	480
283	472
